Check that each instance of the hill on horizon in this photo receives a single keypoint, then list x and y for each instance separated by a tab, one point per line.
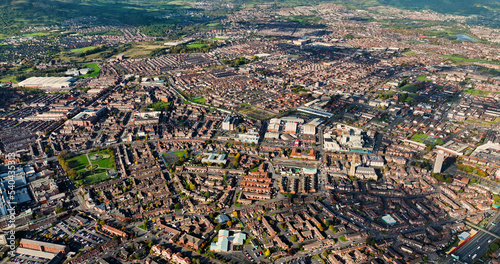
18	14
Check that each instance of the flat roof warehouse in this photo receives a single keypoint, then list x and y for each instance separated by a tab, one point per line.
48	83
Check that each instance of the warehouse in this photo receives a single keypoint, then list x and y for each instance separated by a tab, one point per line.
49	84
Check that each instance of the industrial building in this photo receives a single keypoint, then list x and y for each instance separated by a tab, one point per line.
49	84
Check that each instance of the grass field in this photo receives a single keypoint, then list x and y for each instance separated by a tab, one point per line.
36	34
255	112
103	162
143	49
410	88
199	100
197	45
481	122
172	157
423	78
81	50
459	59
244	105
79	163
95	72
409	52
96	178
423	138
213	24
476	92
9	79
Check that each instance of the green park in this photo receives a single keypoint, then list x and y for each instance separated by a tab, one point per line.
88	169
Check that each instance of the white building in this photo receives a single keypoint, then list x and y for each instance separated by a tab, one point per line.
329	143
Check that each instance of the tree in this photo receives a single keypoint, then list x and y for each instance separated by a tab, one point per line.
325	254
293	238
267	252
235	214
332	228
259	218
229	223
320	228
494	247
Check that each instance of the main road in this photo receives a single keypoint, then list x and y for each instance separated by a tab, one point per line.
477	246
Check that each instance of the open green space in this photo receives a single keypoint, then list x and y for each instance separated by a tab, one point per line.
81	50
11	78
79	163
103	158
94	172
95	70
476	92
410	88
160	106
423	138
96	178
459	59
423	78
36	34
197	45
199	100
409	52
172	157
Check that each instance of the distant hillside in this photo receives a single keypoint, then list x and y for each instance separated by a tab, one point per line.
18	14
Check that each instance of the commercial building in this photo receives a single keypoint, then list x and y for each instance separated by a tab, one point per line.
308	110
388	219
145	118
49	84
42	246
87	117
214	158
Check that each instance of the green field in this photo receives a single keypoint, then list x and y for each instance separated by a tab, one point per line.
213	24
96	178
423	78
81	50
9	79
476	92
108	163
95	72
410	88
79	163
87	176
199	100
244	104
197	45
423	138
459	59
36	34
409	52
172	157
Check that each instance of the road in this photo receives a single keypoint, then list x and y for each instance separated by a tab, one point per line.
477	246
